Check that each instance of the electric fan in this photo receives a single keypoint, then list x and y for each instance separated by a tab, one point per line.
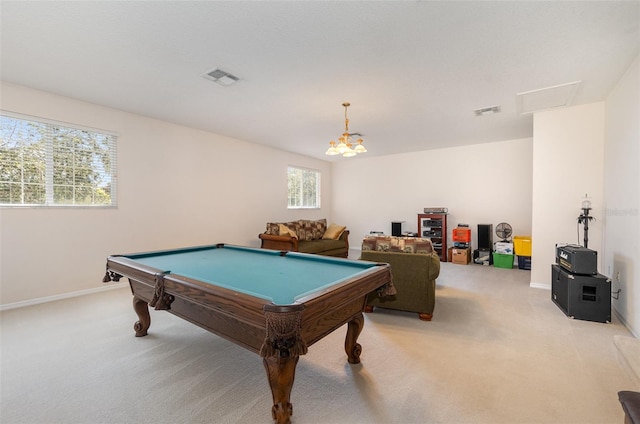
504	231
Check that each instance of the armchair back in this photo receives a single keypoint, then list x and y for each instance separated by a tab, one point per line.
414	269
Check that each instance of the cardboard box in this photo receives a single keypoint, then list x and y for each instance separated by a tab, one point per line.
461	256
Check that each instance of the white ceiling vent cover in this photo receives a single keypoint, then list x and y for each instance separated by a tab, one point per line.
547	98
221	77
487	110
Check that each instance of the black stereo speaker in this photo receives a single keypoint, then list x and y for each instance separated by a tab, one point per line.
396	229
485	236
586	297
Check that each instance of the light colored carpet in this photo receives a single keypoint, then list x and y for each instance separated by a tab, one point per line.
629	355
497	351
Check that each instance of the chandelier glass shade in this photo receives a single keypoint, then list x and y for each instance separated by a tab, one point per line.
344	146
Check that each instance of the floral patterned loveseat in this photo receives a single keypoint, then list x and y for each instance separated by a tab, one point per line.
414	269
307	236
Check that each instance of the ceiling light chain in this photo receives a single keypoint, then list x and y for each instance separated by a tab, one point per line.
345	147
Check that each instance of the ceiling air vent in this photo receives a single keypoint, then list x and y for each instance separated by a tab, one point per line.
221	77
487	110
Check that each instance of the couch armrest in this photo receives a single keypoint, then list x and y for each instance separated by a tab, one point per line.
270	241
434	269
631	406
345	237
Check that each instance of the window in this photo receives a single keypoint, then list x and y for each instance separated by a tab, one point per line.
43	163
304	188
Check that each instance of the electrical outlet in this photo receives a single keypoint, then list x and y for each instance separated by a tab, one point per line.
618	276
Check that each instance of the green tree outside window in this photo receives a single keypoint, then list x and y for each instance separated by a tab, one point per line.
47	164
304	188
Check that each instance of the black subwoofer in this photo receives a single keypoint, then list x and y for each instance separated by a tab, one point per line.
396	229
585	297
485	236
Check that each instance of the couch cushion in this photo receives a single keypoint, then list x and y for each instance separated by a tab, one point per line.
273	228
312	230
387	244
333	232
318	246
369	243
424	246
286	231
305	229
397	244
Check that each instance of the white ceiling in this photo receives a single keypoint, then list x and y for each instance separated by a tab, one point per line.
413	71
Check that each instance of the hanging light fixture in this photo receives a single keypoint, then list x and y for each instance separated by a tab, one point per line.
345	147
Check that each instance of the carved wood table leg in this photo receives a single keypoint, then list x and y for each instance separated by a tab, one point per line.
353	349
281	372
144	319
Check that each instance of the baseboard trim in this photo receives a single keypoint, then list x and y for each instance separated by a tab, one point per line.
628	354
540	286
624	322
46	299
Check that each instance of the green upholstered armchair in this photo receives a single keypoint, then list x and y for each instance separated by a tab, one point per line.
414	277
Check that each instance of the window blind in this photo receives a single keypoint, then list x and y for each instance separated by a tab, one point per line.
44	163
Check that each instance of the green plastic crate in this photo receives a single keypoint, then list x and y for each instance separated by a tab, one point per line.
501	260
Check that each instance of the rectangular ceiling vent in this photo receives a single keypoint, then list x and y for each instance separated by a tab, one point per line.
547	98
221	77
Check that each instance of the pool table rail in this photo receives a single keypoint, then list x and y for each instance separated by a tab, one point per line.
235	316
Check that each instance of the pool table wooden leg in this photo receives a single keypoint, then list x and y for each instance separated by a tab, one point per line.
353	349
281	372
144	319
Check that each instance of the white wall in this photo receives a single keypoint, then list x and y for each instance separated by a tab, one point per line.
568	145
622	195
176	187
481	184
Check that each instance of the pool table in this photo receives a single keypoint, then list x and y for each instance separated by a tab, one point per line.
274	303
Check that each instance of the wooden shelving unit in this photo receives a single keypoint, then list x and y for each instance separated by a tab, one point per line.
434	226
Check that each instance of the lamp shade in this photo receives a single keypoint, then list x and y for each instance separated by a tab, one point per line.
344	147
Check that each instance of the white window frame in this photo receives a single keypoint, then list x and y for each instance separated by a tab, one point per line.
47	149
303	200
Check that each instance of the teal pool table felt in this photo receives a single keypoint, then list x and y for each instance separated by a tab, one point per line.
266	274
